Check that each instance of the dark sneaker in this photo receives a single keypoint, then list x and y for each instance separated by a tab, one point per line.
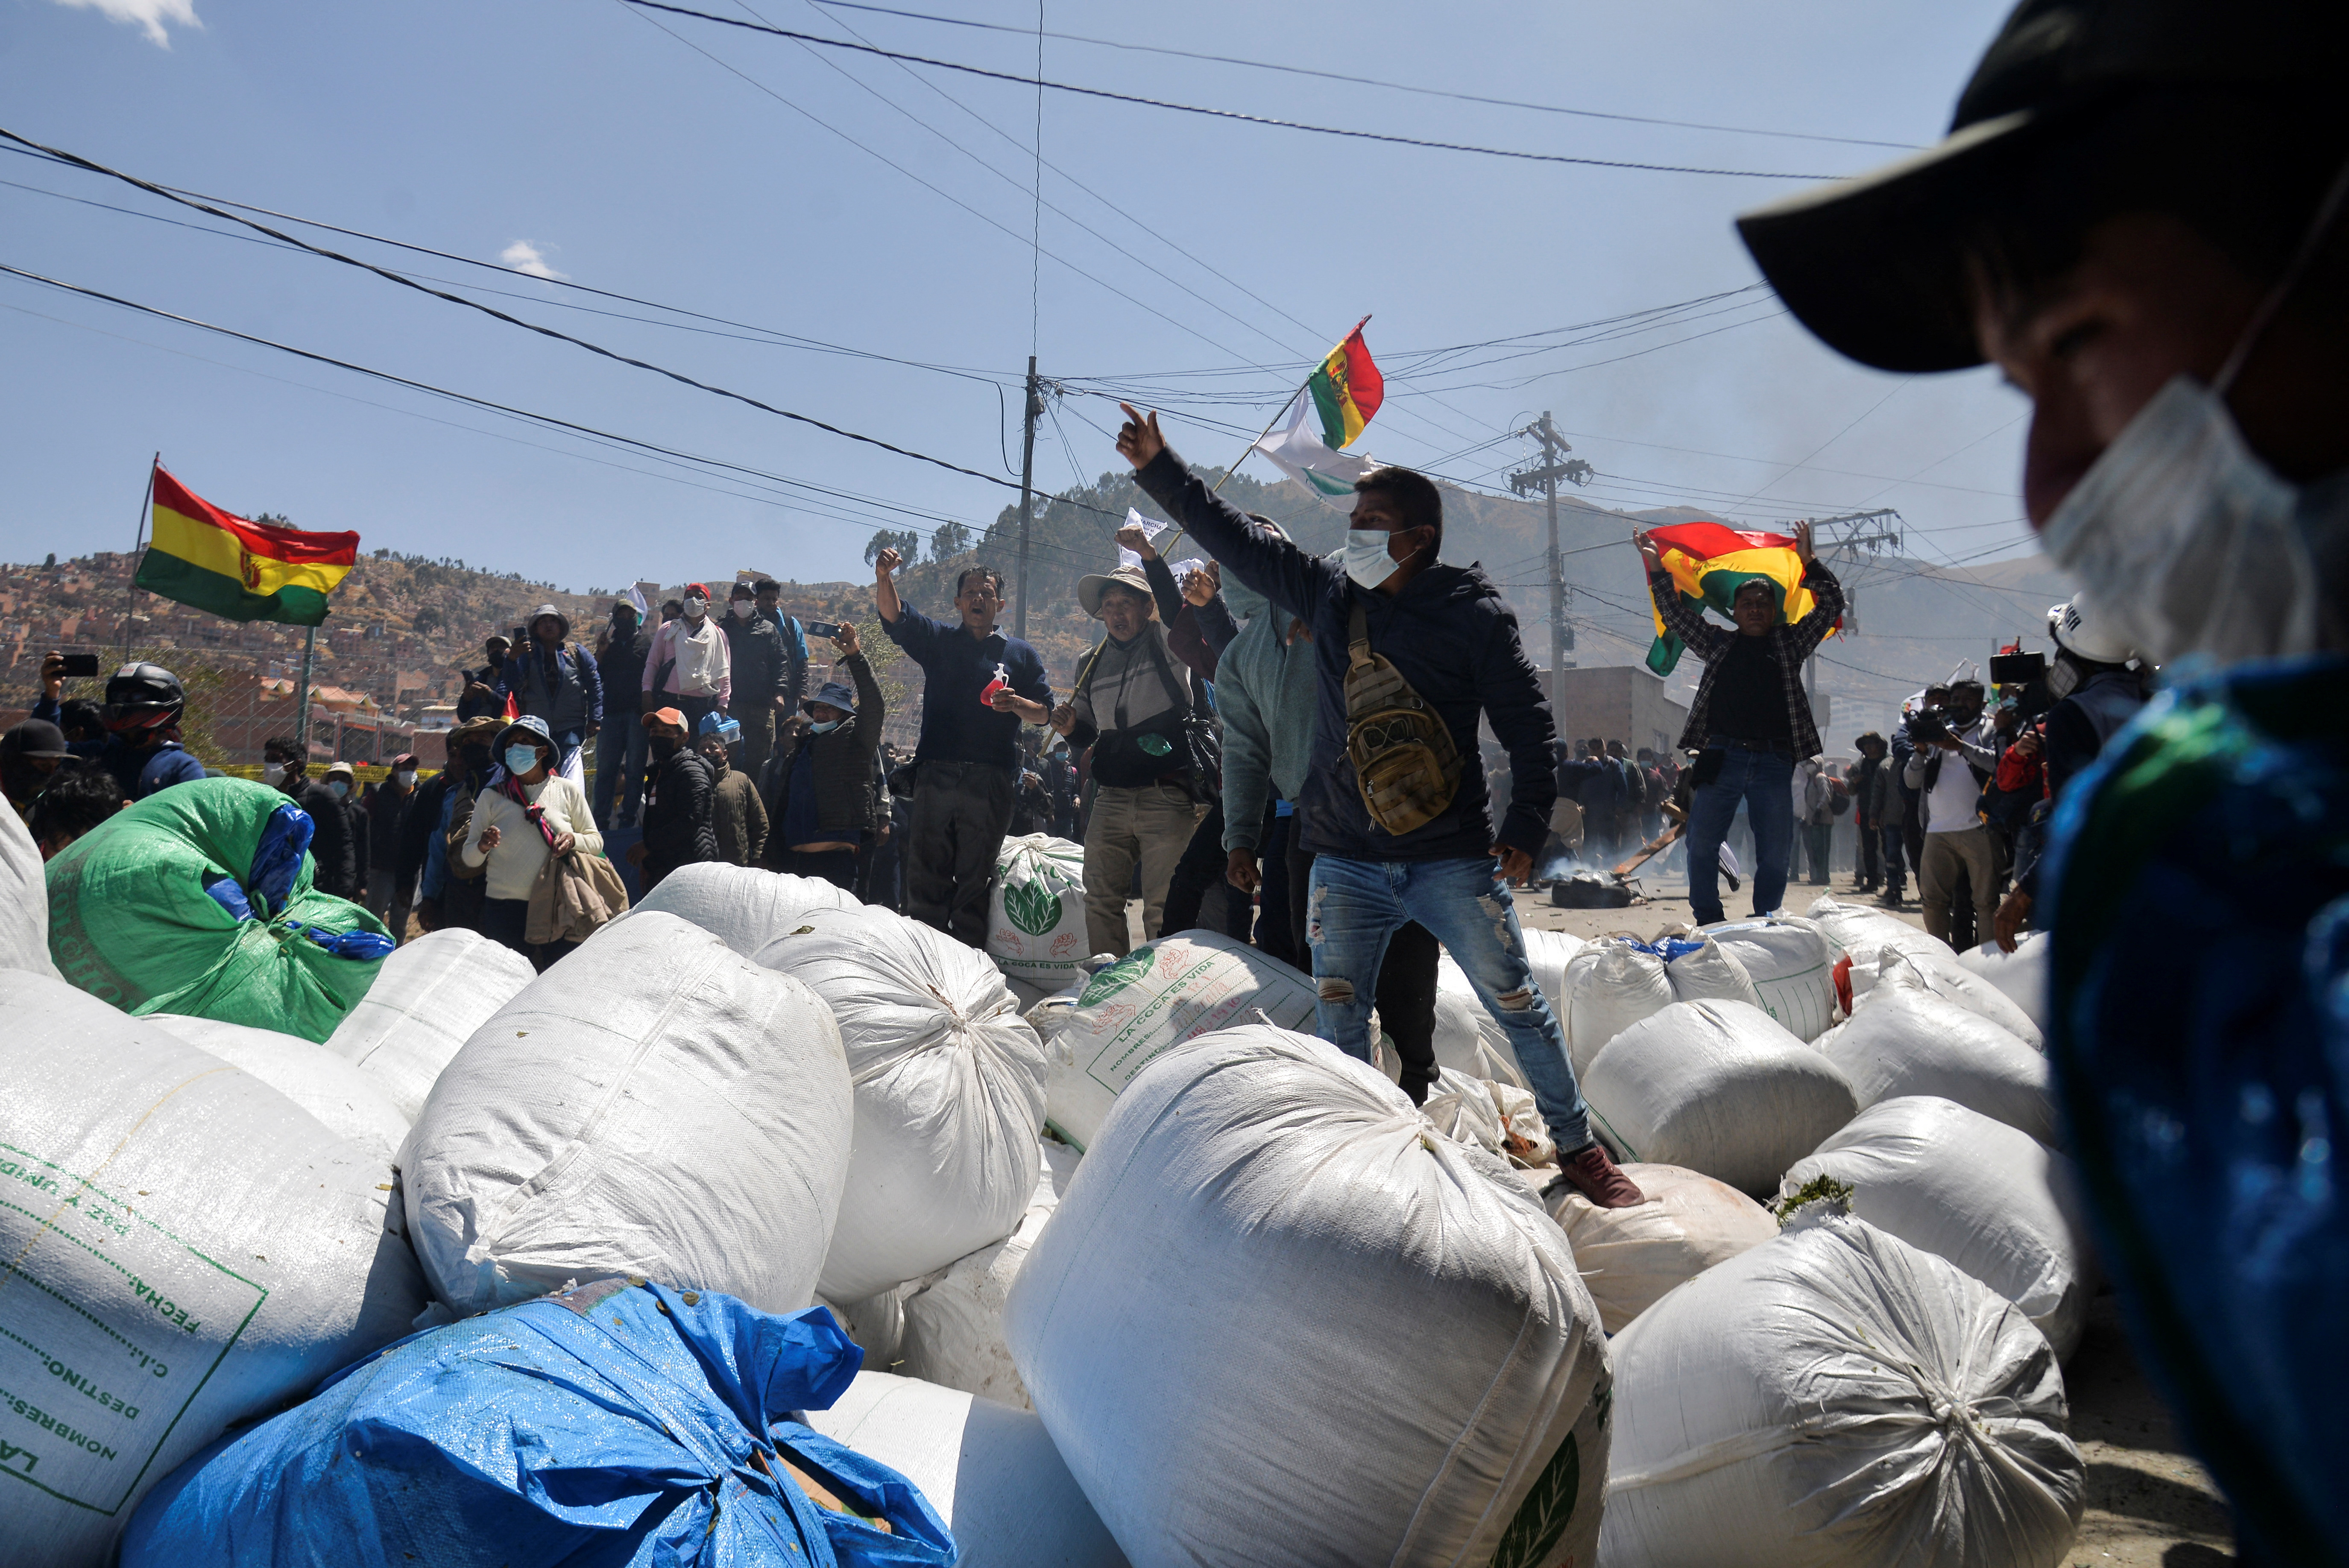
1593	1173
1891	900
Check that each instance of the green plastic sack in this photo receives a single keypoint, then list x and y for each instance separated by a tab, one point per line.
198	901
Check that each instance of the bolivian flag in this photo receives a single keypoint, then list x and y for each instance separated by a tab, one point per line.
204	557
1347	390
1709	562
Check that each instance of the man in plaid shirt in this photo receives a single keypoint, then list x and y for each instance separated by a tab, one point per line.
1750	722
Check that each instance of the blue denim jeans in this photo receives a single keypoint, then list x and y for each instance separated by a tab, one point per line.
620	757
1355	906
1765	780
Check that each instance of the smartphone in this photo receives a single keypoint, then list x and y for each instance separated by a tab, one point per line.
2016	669
821	628
81	666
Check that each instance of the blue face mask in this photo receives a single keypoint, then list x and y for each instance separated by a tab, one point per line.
823	727
337	788
521	760
1366	557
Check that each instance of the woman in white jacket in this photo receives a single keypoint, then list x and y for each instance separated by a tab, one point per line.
526	814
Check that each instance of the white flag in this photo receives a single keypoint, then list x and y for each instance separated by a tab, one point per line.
1128	558
1297	447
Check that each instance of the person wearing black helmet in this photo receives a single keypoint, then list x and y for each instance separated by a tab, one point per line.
2138	217
143	705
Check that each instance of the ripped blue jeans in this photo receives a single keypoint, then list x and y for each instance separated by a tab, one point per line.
1354	907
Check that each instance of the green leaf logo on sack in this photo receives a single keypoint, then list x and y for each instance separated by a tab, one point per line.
1034	907
1117	977
1549	1508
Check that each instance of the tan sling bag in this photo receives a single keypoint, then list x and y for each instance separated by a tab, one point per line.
1405	764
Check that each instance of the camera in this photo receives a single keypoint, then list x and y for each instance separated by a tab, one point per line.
1927	725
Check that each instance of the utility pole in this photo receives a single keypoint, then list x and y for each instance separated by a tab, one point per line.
1034	411
1842	538
1544	477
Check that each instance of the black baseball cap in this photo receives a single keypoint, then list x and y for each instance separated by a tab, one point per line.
34	738
1872	265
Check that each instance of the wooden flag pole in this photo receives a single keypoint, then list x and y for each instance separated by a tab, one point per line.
138	544
302	695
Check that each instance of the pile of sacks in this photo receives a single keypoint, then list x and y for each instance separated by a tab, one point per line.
775	1224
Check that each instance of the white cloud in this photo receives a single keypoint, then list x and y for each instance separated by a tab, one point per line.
524	257
150	15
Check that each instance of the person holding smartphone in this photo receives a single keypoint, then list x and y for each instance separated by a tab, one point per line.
144	705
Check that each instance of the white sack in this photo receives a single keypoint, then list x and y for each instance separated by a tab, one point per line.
954	1316
1719	1087
1711	974
23	900
1903	1041
1149	1002
185	1249
1547	953
1976	1191
1611	984
1791	964
743	906
1468	1038
877	1324
1036	911
1953	982
2020	975
426	1000
653	1104
1863	932
1838	1398
1631	1257
949	1093
989	1470
351	1103
1208	1327
1461	1108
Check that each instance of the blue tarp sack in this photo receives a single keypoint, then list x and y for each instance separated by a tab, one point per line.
2199	1042
615	1423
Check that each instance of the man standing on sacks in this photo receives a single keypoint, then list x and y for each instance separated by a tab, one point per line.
1419	651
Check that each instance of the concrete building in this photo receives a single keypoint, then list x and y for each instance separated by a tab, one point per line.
1615	702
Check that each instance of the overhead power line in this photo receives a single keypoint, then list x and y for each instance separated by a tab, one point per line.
1367	81
495	313
1232	114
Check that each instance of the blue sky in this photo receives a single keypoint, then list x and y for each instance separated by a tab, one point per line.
887	211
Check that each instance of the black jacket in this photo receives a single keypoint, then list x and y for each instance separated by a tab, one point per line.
421	815
334	852
679	816
842	765
1448	633
762	667
620	670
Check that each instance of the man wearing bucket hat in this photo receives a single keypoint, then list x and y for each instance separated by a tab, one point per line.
679	804
822	808
1132	707
2137	216
555	679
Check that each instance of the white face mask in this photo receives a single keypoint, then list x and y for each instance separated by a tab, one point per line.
1366	557
272	773
2188	540
696	606
404	779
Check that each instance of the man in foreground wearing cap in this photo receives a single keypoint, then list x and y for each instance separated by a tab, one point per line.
1132	706
1432	652
2138	218
823	807
557	680
968	759
334	856
689	667
679	807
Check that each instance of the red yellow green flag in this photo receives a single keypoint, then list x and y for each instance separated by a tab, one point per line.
207	558
1710	561
1347	390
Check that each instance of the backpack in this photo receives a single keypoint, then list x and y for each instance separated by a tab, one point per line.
1405	763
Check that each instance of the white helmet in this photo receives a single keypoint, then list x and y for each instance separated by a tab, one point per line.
2081	632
